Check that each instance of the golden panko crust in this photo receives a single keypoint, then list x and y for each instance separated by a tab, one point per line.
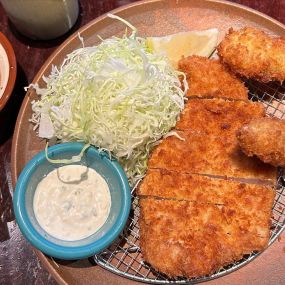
254	199
210	78
209	155
218	116
181	238
265	138
254	54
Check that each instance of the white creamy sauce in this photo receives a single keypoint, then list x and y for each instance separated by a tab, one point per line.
72	202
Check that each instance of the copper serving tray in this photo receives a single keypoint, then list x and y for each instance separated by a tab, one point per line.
152	18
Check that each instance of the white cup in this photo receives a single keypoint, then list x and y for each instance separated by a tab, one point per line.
42	19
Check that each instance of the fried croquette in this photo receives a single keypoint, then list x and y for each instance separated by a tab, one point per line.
264	138
209	78
252	53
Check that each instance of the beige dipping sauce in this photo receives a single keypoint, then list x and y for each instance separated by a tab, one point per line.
72	202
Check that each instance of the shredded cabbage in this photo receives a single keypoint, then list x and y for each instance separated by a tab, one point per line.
73	159
118	96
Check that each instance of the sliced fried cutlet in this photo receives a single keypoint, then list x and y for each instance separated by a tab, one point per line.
208	155
253	199
210	78
218	116
181	238
246	205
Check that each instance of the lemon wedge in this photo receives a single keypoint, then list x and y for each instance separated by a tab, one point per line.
175	46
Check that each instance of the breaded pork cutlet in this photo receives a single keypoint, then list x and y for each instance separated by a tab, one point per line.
208	155
209	78
181	238
218	116
254	54
265	138
255	200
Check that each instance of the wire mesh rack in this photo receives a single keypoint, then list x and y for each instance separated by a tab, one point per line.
124	257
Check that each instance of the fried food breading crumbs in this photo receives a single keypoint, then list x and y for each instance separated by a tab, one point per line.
254	199
209	155
201	204
210	78
265	138
218	116
182	238
254	54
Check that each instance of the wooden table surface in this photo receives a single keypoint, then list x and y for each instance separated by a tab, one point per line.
18	263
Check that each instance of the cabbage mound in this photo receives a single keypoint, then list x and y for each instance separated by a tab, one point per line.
118	96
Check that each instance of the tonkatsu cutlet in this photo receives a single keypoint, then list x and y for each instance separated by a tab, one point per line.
209	155
201	207
248	205
209	78
181	238
254	199
218	116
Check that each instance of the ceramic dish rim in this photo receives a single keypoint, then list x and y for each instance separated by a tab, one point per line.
53	249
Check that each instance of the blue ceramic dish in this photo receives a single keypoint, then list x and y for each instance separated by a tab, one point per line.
39	167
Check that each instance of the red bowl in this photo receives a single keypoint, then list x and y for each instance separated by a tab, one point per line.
8	70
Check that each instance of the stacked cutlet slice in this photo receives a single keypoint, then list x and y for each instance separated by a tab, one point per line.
210	78
209	145
204	204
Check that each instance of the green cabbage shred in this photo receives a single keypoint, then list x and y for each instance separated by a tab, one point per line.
73	159
118	96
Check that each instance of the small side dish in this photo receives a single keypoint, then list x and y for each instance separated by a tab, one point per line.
60	230
8	70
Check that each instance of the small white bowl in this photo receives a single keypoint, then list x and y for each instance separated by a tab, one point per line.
8	70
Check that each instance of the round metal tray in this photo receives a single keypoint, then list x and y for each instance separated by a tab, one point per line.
151	17
123	257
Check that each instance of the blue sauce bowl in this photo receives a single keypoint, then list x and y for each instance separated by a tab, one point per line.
37	168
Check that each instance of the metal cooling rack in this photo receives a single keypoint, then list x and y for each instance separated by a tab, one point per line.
124	258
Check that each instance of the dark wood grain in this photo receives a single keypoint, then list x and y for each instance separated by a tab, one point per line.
18	263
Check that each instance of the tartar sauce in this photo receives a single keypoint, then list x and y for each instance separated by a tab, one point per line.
72	202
